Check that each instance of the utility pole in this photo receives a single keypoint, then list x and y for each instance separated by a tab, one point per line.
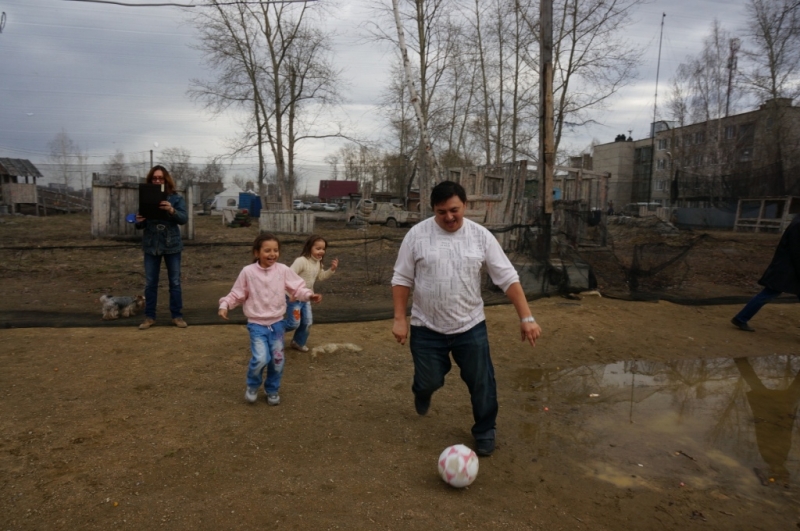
733	46
546	133
653	127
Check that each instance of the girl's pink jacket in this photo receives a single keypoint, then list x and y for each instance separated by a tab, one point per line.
262	292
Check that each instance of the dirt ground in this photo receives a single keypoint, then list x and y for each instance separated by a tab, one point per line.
105	426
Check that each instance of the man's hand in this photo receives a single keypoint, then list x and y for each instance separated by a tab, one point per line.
530	332
400	329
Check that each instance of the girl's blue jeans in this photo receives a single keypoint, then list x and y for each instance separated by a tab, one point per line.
266	345
299	319
152	268
431	352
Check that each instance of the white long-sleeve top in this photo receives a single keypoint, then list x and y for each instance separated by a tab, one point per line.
261	292
443	268
310	270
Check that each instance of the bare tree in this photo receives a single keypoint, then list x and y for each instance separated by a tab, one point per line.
271	62
592	60
115	165
212	172
333	160
63	155
178	162
773	54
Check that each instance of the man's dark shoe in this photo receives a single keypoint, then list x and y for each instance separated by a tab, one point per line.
484	447
422	405
741	325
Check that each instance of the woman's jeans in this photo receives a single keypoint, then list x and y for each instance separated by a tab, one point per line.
152	267
299	318
266	345
756	303
431	352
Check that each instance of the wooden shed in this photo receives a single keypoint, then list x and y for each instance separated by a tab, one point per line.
500	197
111	204
13	191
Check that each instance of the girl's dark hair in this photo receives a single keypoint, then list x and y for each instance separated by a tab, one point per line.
169	183
314	238
260	239
445	190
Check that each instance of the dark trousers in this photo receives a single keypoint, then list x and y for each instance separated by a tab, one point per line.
756	303
431	352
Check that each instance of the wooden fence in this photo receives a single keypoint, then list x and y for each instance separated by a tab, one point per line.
284	221
111	204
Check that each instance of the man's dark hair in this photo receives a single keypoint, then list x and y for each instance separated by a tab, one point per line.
445	190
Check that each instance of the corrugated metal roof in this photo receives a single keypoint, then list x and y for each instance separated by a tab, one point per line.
18	168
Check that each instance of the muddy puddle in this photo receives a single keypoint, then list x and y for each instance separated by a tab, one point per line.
704	424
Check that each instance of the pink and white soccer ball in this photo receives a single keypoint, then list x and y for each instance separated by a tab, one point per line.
458	465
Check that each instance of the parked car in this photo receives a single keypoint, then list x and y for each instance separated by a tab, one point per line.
298	205
331	207
317	206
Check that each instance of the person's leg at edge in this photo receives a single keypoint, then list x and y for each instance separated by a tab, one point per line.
471	353
276	355
152	266
173	262
431	354
304	328
259	347
755	304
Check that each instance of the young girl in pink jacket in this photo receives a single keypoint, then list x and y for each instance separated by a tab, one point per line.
260	288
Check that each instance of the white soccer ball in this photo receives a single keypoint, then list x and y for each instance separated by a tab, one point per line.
458	465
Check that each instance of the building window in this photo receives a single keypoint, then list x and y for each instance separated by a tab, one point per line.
746	155
699	137
663	143
730	132
687	140
492	186
661	164
698	160
661	185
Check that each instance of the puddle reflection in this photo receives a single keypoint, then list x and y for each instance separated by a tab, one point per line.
719	421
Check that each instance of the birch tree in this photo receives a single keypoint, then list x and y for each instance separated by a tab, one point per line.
773	54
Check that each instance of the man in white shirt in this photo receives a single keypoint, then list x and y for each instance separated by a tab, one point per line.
441	258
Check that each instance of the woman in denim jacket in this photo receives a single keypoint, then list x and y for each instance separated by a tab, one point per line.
162	238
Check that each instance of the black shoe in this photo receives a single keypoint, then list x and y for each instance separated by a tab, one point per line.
741	325
484	447
422	405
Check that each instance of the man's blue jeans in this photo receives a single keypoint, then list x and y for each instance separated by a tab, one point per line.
300	319
266	345
756	303
431	352
152	268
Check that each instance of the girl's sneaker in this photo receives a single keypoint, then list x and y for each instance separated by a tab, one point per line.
302	348
273	399
251	394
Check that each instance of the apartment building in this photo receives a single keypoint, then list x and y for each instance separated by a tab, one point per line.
752	154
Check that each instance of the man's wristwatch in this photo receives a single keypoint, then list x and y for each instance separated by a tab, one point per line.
528	319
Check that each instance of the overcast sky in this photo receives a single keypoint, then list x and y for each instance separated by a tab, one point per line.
115	78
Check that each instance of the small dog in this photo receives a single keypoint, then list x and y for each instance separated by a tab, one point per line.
116	307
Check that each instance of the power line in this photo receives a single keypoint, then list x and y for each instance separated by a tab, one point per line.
172	4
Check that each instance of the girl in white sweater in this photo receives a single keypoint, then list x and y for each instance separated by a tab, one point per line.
309	267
